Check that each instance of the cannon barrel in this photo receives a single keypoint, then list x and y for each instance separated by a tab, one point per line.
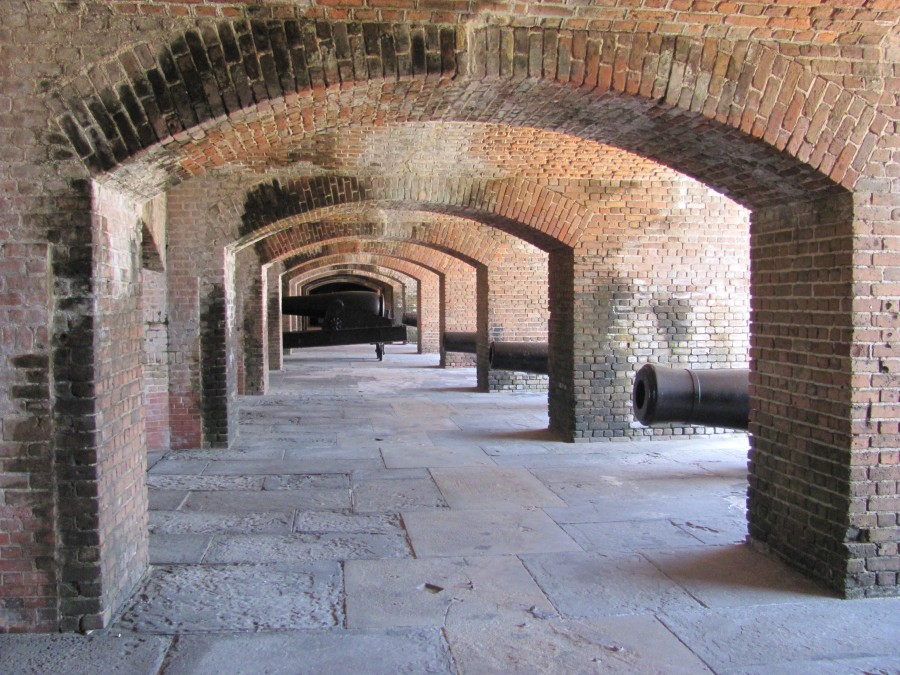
461	341
410	319
713	398
526	357
350	302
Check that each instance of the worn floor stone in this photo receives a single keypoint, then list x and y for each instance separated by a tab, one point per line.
275	548
627	645
725	576
237	598
492	488
440	591
323	522
180	522
423	526
81	654
404	457
379	496
303	482
168	500
456	533
630	536
178	548
743	639
236	501
204	483
314	653
588	585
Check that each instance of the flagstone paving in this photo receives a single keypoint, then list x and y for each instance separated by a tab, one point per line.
386	517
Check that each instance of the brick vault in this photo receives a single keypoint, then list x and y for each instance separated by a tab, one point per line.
686	182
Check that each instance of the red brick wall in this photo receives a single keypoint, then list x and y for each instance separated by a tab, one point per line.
155	301
28	511
768	107
104	529
663	278
517	307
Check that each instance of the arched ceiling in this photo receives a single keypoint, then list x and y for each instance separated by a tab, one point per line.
479	131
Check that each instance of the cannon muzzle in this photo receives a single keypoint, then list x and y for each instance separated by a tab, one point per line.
410	319
526	357
713	398
461	341
363	303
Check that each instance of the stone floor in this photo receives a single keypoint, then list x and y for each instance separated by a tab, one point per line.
384	517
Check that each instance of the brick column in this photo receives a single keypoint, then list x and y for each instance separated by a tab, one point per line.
459	309
429	304
273	315
517	307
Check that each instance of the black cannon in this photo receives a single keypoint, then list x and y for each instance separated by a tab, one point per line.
713	398
526	357
461	341
410	319
349	318
350	309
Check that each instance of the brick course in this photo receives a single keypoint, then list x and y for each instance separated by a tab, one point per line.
562	125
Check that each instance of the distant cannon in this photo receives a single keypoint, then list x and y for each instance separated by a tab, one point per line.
349	318
461	341
349	309
713	398
526	357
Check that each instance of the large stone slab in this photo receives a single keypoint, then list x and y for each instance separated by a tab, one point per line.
236	452
630	536
863	665
440	591
632	645
82	654
324	522
166	500
347	452
306	481
314	653
203	483
720	531
301	466
589	585
775	637
240	501
273	548
178	548
492	488
468	533
237	598
402	457
380	496
180	522
173	464
610	509
727	576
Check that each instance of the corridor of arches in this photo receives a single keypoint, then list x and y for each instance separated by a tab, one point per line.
682	191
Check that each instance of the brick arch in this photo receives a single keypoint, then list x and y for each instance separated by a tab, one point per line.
368	275
431	259
385	271
521	208
647	94
400	259
468	241
327	261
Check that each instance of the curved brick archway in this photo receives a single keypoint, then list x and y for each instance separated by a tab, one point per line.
429	268
771	124
665	89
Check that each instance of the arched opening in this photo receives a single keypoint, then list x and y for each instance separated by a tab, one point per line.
799	187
